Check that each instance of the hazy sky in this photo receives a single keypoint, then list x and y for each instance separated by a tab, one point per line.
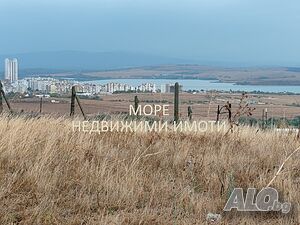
261	32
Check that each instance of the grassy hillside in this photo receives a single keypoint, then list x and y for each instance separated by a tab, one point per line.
52	175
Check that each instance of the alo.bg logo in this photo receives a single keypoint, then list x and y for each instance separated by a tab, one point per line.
265	200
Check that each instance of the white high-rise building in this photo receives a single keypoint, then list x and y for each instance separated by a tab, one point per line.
11	69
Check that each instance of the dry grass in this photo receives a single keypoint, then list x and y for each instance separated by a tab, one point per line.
52	175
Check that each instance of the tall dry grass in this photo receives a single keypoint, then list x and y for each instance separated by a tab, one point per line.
52	175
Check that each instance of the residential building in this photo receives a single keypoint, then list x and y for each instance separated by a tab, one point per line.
11	70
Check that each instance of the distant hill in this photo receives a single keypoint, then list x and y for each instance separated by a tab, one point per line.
293	69
85	61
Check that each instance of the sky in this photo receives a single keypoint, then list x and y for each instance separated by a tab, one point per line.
258	32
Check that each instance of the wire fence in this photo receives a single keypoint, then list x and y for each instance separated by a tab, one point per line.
264	116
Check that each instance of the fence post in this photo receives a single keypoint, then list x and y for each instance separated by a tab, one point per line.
73	97
7	103
136	103
218	113
72	112
1	103
5	99
229	112
263	119
176	103
41	104
190	113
